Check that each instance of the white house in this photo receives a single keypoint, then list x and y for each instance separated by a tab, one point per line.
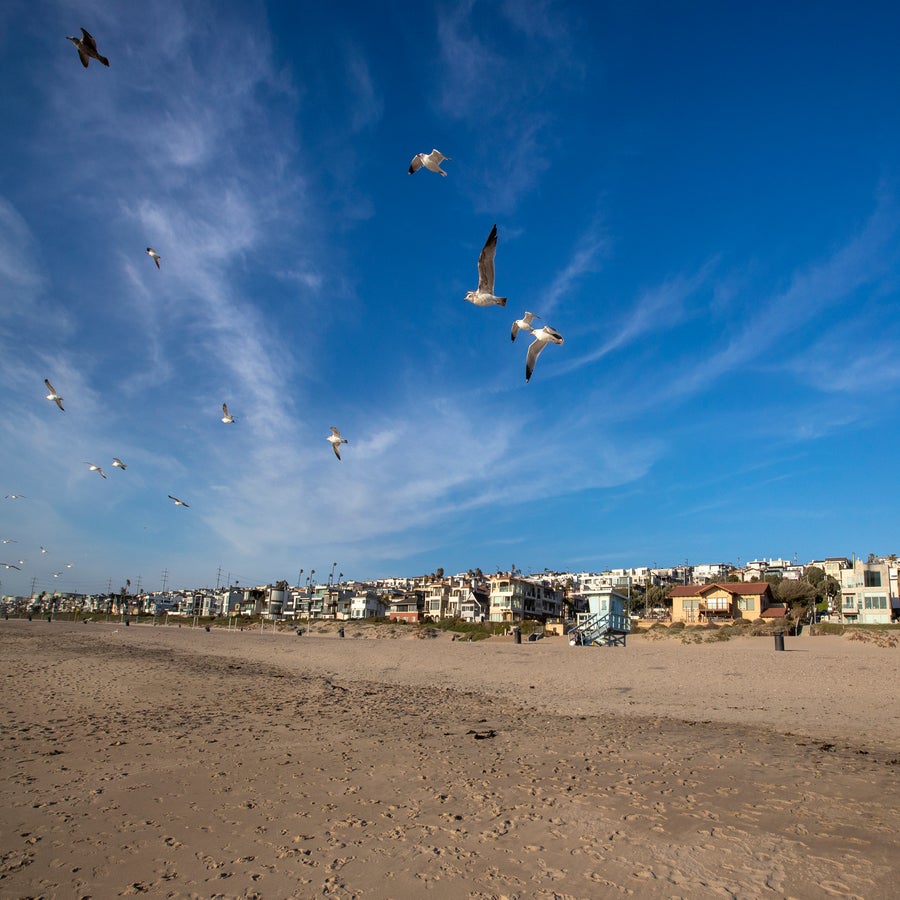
367	605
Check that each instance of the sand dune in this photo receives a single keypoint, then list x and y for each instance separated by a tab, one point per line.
184	763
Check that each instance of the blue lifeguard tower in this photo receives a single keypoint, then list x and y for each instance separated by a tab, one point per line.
605	624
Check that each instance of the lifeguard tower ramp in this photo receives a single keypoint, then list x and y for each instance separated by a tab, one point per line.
604	625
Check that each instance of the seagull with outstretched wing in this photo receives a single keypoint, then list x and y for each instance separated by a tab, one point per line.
53	395
484	296
539	339
336	440
431	161
523	323
87	49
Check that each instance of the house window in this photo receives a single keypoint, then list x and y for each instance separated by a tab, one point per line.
746	604
718	604
849	601
876	602
872	579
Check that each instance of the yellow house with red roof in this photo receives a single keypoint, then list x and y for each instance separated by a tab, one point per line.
695	603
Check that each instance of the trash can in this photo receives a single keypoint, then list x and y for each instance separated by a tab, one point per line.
207	627
779	640
517	635
299	632
341	631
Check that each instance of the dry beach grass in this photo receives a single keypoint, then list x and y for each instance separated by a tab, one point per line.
183	763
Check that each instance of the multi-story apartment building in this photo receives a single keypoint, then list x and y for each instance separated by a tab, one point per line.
621	579
869	591
832	565
514	598
704	573
437	599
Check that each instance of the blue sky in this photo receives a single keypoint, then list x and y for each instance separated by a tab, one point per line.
702	198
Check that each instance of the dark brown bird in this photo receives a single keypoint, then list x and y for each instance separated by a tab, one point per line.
87	49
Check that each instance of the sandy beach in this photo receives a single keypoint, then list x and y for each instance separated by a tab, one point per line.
177	762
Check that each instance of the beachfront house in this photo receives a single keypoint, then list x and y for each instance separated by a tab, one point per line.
695	603
470	602
514	598
367	604
407	607
868	591
437	599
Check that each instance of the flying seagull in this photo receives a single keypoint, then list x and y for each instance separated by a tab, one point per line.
53	395
118	464
8	541
87	48
94	468
336	440
431	161
10	566
178	502
15	497
540	338
227	417
484	296
153	255
523	323
43	549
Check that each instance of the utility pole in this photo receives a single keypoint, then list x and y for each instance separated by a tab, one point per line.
33	581
165	578
218	576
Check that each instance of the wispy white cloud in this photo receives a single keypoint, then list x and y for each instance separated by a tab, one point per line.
538	18
851	357
400	480
18	269
591	249
469	64
499	95
658	308
813	291
367	104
